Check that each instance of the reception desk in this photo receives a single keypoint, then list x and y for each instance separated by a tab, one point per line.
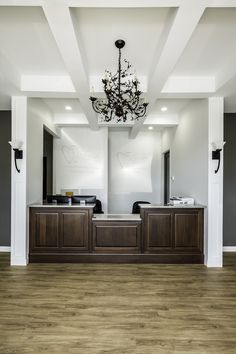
160	234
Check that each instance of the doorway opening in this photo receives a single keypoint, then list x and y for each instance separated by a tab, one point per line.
5	182
229	191
166	177
47	164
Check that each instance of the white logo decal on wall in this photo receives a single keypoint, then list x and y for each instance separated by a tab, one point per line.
133	160
79	159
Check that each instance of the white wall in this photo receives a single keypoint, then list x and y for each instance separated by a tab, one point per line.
80	161
134	169
38	116
188	145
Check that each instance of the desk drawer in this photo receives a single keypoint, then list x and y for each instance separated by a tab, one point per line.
116	236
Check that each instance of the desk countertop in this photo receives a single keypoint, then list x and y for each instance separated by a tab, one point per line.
40	205
178	206
116	217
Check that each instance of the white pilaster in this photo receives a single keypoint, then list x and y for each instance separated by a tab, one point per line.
18	184
214	243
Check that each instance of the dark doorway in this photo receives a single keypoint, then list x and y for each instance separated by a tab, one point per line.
166	177
5	178
47	164
229	202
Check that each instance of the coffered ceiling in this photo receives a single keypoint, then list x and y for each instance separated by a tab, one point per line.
57	50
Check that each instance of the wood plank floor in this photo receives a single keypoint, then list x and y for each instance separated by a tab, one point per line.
117	309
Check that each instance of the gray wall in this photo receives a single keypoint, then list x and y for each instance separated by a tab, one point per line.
230	180
188	145
5	178
134	169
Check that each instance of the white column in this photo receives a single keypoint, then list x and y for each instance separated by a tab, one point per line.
18	185
214	242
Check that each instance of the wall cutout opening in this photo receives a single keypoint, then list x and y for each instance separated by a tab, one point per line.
47	164
166	177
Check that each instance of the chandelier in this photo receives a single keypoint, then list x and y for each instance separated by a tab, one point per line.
122	94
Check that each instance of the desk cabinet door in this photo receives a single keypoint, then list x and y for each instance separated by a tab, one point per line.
116	237
158	232
74	231
188	231
173	231
44	231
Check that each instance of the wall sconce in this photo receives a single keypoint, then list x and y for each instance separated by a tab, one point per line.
18	152
217	146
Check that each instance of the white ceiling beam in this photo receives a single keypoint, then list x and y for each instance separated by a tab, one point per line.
183	95
147	3
124	3
121	3
183	26
220	3
20	2
61	24
189	84
47	83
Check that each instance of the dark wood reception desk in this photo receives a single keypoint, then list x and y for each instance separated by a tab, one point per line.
160	234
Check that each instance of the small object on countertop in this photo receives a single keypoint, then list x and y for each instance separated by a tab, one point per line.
69	201
181	200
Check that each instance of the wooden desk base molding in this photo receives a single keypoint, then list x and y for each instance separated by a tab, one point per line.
117	258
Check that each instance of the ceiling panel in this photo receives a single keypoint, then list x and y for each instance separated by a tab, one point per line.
98	29
27	42
211	45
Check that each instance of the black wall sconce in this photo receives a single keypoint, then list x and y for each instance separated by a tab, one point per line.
217	146
18	152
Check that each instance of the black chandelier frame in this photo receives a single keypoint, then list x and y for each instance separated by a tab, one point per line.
122	94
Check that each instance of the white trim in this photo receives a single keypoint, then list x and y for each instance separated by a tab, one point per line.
18	184
5	249
214	262
214	242
18	261
229	249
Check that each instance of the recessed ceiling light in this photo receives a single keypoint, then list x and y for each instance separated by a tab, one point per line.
163	109
68	108
150	128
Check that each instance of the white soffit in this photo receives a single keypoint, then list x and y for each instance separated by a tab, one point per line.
189	84
48	83
63	117
161	119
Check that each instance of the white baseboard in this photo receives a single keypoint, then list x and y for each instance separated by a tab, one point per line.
5	249
229	249
18	261
214	262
